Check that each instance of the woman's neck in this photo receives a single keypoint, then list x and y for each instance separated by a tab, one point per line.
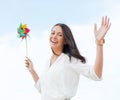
57	52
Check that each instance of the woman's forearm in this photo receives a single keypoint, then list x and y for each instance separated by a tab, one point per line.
34	75
99	61
30	67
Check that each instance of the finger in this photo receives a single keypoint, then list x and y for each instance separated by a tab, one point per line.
27	59
108	22
27	63
105	20
108	27
95	28
102	21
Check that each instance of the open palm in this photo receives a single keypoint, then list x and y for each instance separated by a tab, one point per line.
101	32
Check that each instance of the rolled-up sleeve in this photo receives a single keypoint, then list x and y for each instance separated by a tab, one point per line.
38	85
93	75
85	70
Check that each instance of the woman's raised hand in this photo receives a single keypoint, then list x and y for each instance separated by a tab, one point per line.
101	32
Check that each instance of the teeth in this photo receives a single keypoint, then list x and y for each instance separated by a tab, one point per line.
53	41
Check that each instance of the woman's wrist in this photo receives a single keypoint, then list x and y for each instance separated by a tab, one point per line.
100	42
31	70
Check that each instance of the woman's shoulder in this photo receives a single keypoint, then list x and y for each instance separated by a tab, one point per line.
72	60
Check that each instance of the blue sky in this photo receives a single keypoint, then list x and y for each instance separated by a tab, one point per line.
41	15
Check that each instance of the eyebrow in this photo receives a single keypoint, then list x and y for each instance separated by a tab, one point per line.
57	32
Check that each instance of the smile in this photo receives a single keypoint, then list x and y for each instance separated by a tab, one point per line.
53	42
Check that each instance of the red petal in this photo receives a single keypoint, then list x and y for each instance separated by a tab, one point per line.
23	37
27	30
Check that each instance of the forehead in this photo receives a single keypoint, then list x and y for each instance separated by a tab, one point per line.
57	28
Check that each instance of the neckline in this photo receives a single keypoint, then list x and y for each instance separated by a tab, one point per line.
51	65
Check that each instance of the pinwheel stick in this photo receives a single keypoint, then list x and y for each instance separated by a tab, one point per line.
23	33
26	48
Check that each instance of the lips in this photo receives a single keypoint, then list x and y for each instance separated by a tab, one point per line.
53	42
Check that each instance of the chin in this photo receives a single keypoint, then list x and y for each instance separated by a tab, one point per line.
53	47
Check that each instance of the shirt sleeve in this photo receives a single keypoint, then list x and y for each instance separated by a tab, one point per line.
92	74
38	86
84	69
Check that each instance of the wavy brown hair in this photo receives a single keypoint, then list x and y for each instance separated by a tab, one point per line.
70	47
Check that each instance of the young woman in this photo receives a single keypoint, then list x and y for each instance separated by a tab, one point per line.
61	76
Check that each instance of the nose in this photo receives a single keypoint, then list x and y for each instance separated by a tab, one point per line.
54	36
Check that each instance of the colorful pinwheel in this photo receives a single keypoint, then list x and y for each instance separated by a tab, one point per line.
23	33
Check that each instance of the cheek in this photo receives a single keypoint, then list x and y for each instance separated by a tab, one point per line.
50	37
61	41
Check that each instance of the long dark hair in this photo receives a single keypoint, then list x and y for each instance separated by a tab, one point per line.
70	46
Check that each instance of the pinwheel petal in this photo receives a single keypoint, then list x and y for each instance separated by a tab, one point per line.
24	26
27	30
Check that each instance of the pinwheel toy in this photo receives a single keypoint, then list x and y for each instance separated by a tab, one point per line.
23	33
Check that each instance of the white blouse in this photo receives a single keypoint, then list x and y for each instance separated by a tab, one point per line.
60	81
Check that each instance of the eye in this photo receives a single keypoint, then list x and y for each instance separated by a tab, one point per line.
60	34
52	33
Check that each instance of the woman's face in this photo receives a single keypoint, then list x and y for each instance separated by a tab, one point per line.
57	38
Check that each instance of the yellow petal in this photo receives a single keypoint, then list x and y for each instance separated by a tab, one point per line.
24	26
